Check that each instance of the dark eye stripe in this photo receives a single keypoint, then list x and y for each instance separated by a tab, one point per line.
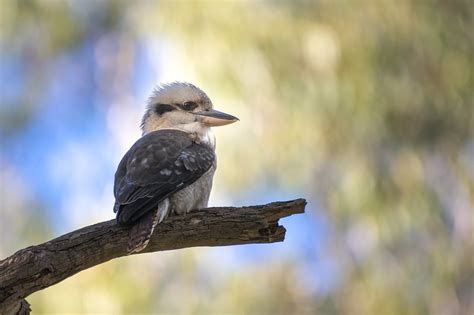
160	109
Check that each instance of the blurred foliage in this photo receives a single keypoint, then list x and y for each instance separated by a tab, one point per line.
365	108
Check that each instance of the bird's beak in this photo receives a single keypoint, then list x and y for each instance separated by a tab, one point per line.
214	118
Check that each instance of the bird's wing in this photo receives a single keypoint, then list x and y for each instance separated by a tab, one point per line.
159	164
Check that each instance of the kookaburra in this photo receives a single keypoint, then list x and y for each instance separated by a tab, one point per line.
170	168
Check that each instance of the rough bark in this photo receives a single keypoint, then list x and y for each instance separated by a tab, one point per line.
37	267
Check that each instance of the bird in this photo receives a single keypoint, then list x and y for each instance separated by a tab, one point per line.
170	169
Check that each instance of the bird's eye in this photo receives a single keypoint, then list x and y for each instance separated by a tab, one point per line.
189	105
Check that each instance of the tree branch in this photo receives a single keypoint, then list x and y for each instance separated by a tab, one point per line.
37	267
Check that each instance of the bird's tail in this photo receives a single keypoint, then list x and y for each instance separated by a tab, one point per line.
142	230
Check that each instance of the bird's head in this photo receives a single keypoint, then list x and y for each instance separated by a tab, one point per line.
182	106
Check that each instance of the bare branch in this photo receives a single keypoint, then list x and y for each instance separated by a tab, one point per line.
38	267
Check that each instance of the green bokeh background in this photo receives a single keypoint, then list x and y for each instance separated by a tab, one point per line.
365	108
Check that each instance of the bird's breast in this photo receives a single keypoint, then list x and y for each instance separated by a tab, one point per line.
194	196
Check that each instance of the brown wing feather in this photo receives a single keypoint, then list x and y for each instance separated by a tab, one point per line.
156	166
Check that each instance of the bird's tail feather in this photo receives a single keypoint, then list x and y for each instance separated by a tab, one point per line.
143	229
